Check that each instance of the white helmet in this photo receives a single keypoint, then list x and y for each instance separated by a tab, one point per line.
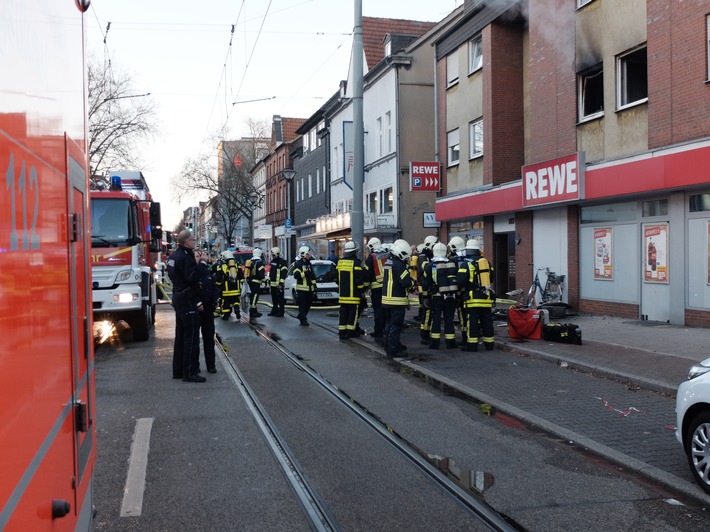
275	251
457	244
430	241
226	254
473	244
303	251
401	249
258	253
350	247
439	250
387	247
373	244
420	248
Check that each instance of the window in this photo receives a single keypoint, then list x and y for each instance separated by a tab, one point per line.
298	197
452	68
317	180
312	140
581	3
632	78
707	38
388	132
591	93
654	208
386	200
379	138
323	175
699	202
336	161
453	144
475	54
475	138
388	48
310	185
372	202
305	144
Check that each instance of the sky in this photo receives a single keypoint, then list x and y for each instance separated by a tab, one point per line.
288	55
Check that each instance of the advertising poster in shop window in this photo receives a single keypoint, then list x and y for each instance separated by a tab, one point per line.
603	254
655	239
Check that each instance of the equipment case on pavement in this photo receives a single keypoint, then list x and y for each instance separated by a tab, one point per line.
526	323
567	333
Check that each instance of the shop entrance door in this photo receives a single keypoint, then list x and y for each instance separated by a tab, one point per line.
504	244
655	276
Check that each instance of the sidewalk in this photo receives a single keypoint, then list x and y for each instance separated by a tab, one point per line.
613	395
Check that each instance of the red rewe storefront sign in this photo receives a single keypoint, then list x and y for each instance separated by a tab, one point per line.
424	176
554	181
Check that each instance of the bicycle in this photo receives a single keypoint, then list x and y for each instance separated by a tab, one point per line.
552	291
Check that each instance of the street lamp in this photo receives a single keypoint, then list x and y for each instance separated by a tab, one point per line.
288	174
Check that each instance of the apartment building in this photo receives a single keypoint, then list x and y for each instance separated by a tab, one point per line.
575	135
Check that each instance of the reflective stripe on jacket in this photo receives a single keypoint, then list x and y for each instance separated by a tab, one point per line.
350	280
396	282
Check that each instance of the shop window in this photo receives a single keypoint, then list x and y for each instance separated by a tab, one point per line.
591	93
699	202
372	202
386	200
632	78
654	208
617	212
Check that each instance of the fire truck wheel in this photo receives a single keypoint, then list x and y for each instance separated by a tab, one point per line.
141	322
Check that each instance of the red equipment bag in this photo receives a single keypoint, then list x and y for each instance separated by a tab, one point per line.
525	323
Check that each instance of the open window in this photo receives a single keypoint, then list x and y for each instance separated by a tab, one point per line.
590	92
632	78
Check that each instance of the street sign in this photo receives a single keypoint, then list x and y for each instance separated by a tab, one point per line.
424	176
430	220
287	223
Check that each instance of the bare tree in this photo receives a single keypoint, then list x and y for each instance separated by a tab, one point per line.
119	118
227	179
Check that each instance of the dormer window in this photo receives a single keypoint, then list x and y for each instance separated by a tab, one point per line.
388	46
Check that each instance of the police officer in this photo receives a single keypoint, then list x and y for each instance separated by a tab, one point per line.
229	279
476	275
254	273
440	282
209	296
351	283
396	283
185	276
305	284
374	274
277	276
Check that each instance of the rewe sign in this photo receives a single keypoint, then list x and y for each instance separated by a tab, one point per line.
554	181
424	176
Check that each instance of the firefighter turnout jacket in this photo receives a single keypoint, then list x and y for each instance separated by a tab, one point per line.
254	271
351	280
305	278
396	283
277	272
475	276
375	266
229	277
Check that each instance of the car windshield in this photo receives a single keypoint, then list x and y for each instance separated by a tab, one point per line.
325	273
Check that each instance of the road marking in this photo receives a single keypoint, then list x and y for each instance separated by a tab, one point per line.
132	505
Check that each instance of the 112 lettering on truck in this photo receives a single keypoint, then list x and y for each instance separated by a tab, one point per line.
125	243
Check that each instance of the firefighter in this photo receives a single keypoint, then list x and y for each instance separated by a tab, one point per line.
456	248
351	284
277	276
440	282
229	279
374	268
476	275
305	284
396	283
185	277
254	273
424	297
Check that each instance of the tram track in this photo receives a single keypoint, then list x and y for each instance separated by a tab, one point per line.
314	507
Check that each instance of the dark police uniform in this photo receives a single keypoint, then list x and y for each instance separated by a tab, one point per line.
185	276
209	295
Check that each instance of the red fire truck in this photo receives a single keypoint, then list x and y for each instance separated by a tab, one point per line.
47	396
125	246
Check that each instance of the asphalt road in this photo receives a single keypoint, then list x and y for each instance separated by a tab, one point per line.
208	466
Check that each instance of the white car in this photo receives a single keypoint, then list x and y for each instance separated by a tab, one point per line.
693	421
326	285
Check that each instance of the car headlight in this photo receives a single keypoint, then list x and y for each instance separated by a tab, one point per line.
699	369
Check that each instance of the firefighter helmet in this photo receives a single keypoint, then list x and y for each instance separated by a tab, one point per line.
439	250
373	244
275	251
401	249
226	254
303	251
473	244
258	253
457	244
430	241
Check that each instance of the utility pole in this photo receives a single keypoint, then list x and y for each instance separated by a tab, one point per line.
357	218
